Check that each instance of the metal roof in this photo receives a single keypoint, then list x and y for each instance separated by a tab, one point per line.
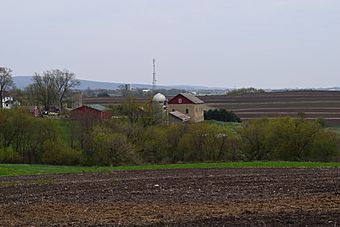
98	107
180	115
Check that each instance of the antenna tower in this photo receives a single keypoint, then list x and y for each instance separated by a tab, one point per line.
154	75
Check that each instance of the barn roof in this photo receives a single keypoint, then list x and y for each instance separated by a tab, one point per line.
180	115
97	107
191	98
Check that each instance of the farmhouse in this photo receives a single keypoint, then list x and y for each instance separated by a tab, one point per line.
187	104
9	103
94	111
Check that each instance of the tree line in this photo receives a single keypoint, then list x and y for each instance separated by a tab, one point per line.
49	88
245	91
25	139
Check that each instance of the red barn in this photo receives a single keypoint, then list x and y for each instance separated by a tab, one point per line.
94	111
189	105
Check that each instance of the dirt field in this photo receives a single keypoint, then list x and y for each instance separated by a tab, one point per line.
262	197
315	104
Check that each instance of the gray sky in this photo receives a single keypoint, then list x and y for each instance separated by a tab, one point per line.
228	43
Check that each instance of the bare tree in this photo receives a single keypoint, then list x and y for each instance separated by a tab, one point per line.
65	81
6	82
44	89
125	90
53	87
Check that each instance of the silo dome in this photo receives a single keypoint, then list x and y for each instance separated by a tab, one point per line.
159	98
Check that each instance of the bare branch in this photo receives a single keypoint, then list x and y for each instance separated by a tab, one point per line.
6	82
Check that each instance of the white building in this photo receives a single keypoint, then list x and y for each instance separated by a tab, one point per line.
9	103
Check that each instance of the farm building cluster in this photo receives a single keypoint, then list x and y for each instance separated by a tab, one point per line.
313	104
186	107
183	108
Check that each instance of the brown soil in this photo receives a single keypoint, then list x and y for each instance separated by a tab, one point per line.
216	197
315	104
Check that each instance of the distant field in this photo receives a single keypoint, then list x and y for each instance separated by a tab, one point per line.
22	169
315	104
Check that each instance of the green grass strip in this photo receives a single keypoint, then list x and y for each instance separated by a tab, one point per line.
22	169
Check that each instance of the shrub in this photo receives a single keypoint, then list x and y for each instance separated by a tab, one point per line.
324	147
287	139
174	135
204	142
26	134
155	146
221	115
24	139
291	139
8	155
253	140
59	154
111	148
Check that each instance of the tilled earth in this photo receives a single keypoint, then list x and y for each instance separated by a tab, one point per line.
209	197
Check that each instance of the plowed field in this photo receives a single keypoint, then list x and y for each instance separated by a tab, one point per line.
314	104
262	197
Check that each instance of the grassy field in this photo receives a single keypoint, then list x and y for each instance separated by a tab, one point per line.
21	169
233	126
334	129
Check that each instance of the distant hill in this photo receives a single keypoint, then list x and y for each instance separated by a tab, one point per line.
23	81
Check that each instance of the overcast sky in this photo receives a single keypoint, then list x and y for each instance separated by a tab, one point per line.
228	43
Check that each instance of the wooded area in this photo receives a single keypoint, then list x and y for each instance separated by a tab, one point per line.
25	139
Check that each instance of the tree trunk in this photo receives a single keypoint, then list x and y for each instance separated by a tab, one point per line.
0	99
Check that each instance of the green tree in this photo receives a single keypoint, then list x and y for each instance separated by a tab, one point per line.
253	139
291	139
325	147
204	142
111	148
221	115
56	153
155	145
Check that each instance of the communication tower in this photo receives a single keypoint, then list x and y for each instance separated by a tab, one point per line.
154	75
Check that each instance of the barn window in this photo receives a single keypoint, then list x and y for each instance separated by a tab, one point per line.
187	111
173	110
179	100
